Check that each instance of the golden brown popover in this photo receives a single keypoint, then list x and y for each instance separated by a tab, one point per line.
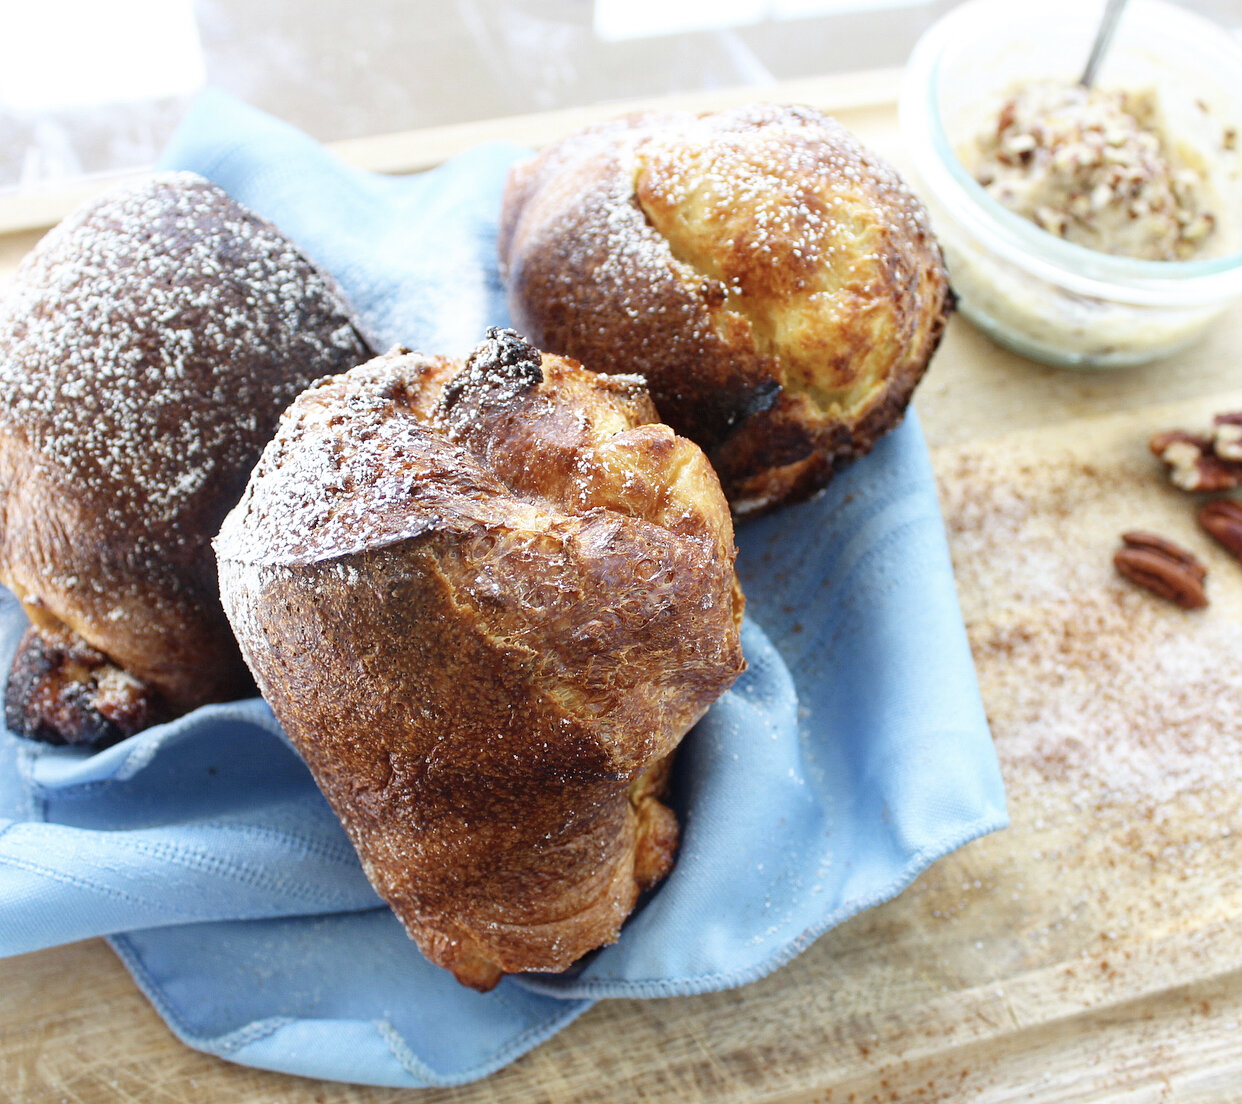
775	283
486	611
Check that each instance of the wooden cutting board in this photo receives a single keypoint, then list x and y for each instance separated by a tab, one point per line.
1091	952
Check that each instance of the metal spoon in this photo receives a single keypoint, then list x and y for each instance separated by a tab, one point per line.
1108	24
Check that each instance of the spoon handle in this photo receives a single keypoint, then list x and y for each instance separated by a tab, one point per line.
1108	24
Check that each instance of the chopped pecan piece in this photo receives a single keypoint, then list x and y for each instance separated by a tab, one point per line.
1227	436
1162	567
1222	519
1193	462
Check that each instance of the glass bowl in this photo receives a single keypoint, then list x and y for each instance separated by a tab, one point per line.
1030	290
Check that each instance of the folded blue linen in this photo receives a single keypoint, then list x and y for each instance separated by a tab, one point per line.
853	752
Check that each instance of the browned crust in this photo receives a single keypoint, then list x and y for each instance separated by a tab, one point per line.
648	315
657	831
634	248
486	632
113	590
62	691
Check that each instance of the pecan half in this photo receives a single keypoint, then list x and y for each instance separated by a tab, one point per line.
1162	567
1222	520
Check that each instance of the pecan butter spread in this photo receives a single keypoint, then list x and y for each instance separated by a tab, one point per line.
1093	167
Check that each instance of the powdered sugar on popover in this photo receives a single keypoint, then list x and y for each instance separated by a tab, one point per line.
149	342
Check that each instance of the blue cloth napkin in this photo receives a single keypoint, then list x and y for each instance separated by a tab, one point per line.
853	752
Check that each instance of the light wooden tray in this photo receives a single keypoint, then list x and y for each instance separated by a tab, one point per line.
1091	952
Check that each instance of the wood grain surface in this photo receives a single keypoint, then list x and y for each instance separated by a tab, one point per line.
1091	952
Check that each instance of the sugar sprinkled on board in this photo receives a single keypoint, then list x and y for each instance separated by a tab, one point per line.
1096	690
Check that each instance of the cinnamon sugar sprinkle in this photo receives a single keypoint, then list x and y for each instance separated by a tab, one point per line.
1097	692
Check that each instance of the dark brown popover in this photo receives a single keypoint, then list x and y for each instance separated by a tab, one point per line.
147	347
776	284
